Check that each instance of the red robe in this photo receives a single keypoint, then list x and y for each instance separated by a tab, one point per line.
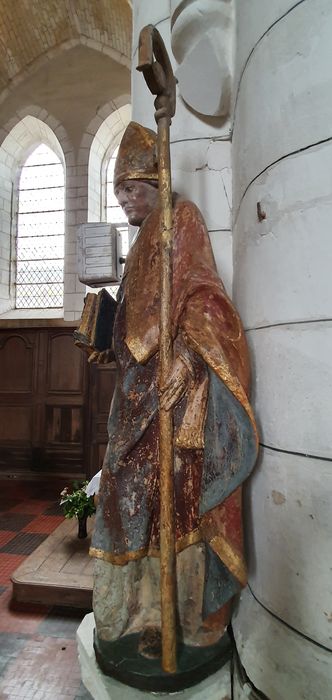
215	433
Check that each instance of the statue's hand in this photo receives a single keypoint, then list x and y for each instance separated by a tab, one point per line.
102	358
176	384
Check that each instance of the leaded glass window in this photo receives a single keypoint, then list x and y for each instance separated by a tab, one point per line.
40	232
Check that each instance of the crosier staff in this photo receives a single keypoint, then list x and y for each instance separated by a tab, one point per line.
160	80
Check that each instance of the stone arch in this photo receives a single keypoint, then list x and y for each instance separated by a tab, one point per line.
37	121
102	144
53	52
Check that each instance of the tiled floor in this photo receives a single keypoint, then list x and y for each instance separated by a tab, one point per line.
38	653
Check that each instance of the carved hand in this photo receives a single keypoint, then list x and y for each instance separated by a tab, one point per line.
102	358
176	384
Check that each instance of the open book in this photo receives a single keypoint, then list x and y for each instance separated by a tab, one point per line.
96	328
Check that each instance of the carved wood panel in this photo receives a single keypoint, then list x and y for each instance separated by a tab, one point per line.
15	423
53	405
16	366
65	366
102	383
43	402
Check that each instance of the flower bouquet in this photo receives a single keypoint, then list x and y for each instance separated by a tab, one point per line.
77	504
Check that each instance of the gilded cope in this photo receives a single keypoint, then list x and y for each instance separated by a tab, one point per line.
215	439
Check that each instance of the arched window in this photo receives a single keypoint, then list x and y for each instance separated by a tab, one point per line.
40	232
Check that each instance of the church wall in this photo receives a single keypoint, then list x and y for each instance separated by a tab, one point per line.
64	98
102	147
63	93
200	144
5	231
280	116
282	260
254	19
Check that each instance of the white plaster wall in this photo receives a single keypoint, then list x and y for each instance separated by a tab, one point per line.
285	93
295	195
102	147
286	493
7	185
253	20
292	386
287	666
76	214
200	145
202	43
282	288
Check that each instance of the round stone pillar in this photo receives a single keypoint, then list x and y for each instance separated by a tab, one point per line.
282	174
198	37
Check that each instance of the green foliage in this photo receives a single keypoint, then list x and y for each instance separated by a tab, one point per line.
76	504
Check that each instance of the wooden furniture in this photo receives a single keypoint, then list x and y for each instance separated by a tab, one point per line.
53	405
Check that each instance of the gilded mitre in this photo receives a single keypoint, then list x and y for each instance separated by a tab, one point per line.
137	155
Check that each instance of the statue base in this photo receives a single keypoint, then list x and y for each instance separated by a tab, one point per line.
122	660
102	687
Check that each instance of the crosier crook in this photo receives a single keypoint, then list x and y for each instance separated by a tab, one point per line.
160	80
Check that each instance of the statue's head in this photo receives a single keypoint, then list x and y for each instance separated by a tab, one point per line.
136	173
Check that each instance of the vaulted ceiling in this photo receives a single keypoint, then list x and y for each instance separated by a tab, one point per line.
31	30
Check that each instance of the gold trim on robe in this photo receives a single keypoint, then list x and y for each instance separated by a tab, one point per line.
231	557
213	530
210	326
193	272
191	432
121	559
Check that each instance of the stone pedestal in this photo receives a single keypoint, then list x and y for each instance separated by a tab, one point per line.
101	687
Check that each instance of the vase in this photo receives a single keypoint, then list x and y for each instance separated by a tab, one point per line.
82	531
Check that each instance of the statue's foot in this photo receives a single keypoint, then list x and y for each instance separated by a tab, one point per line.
149	644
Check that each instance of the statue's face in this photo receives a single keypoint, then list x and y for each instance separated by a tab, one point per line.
137	198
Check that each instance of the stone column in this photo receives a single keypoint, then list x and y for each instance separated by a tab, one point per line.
197	35
282	170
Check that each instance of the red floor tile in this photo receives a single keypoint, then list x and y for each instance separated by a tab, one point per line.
8	503
38	653
23	543
19	617
44	524
31	507
14	522
8	564
6	536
